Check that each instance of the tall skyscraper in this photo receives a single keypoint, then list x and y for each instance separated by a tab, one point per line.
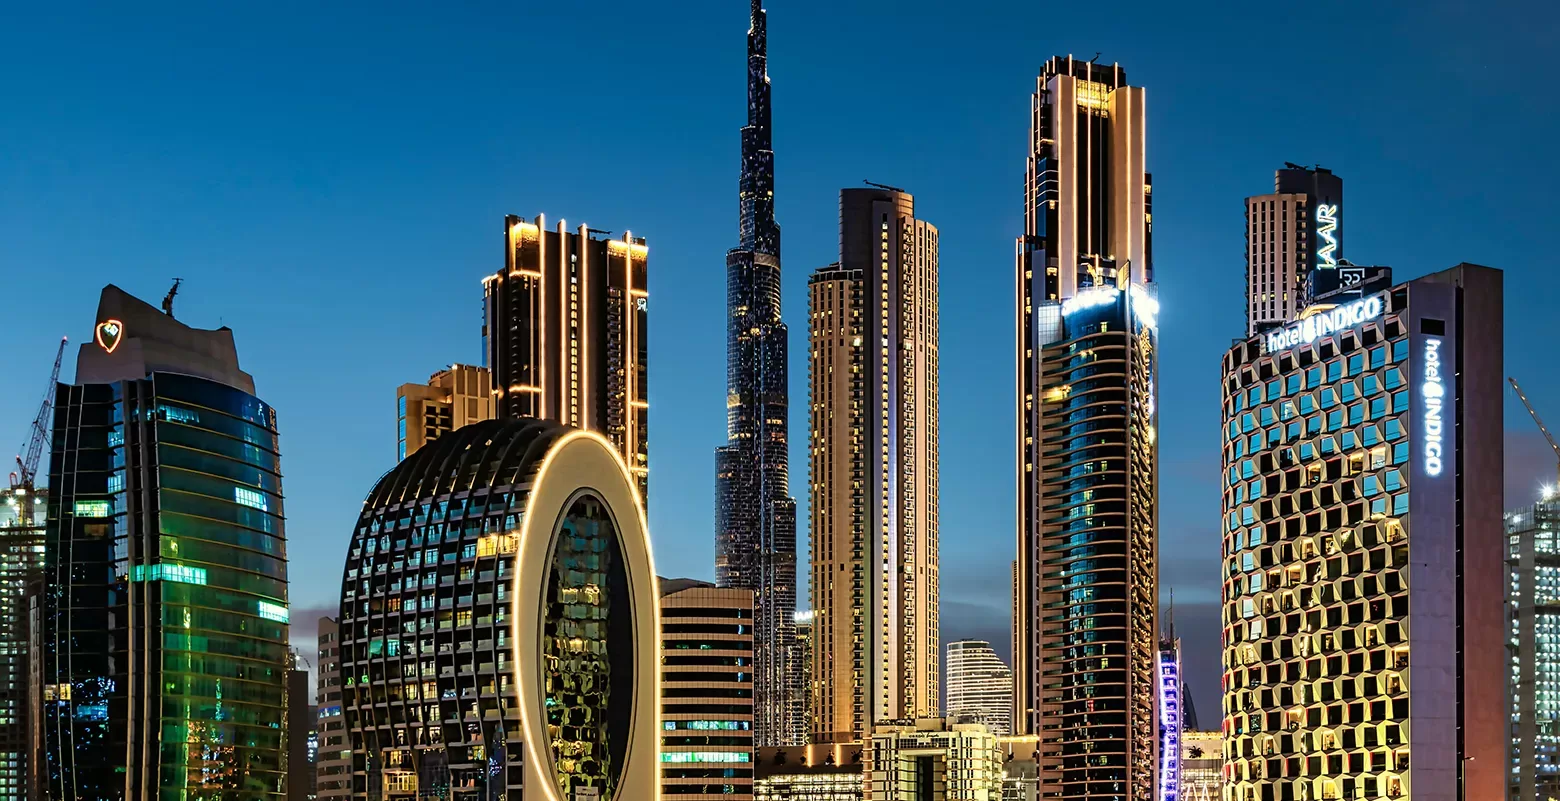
980	686
500	644
1290	234
565	333
1086	582
452	398
1171	723
1533	593
706	692
301	715
165	613
755	515
874	482
1364	626
22	524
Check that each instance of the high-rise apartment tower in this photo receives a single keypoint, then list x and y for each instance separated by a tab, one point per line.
454	397
164	636
565	333
706	692
1533	596
874	483
22	524
980	686
1086	581
755	515
1290	234
1364	626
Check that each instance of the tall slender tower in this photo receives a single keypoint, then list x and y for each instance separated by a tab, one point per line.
755	516
1086	581
874	460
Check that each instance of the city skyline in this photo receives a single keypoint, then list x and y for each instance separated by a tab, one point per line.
183	221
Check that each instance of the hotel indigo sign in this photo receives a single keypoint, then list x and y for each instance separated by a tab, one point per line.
1323	323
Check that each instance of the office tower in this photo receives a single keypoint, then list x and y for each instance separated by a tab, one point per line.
1363	550
565	333
931	759
980	686
333	764
815	772
874	482
1290	234
1202	766
301	714
452	398
801	717
1533	596
706	692
498	622
164	618
1170	721
1086	596
755	515
22	525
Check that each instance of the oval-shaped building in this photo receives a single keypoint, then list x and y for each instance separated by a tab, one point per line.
498	623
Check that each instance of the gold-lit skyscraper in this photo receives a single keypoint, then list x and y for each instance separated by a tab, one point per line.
565	332
1085	660
874	460
452	398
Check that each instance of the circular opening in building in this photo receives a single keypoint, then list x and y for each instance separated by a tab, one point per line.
587	650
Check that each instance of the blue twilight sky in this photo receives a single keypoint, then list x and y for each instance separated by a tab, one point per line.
329	179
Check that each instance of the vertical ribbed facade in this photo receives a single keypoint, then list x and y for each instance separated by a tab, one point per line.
706	692
755	515
565	331
980	686
332	770
1086	577
874	469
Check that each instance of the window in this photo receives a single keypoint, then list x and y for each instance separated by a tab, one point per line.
92	509
250	498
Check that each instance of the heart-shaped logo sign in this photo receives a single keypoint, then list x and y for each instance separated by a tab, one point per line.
109	332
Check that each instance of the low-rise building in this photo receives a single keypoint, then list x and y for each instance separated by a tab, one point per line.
930	759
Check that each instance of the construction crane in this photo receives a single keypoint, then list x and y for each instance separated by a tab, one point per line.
168	301
23	481
1548	491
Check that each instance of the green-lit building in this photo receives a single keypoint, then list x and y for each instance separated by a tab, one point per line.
164	619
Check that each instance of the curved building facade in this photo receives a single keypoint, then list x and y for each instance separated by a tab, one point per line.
498	623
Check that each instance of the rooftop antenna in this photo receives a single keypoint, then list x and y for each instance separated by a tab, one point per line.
882	186
168	301
1096	57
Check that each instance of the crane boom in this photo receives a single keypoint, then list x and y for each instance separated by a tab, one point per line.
38	434
1541	427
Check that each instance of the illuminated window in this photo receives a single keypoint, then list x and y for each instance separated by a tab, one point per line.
250	498
168	572
271	611
93	509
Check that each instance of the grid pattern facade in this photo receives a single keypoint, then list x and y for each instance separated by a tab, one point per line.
1316	453
166	606
874	460
333	760
1088	216
808	787
931	759
755	516
707	695
1202	766
1533	597
22	524
1277	259
565	332
452	398
980	686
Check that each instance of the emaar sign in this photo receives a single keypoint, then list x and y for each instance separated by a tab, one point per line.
1323	323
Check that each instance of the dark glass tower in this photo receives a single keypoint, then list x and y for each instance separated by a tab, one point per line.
755	516
164	618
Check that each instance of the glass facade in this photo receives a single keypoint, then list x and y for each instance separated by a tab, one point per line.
165	616
755	516
429	695
1094	556
1533	640
22	516
1316	462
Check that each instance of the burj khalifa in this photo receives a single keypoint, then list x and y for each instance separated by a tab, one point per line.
755	515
